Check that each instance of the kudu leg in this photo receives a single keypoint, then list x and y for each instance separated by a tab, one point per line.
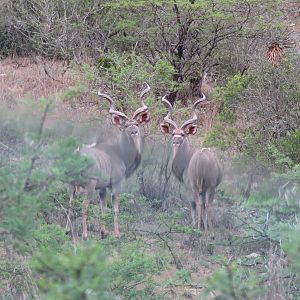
203	202
72	190
103	202
115	202
88	194
209	203
85	205
209	222
194	213
197	211
103	208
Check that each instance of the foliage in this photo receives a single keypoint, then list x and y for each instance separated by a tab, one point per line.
29	177
126	73
58	29
178	33
24	184
292	247
222	137
126	76
233	282
226	96
183	276
226	133
80	273
164	74
269	102
174	38
280	159
278	210
132	271
290	146
292	174
51	237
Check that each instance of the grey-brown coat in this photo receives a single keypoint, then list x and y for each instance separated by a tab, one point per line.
112	162
198	169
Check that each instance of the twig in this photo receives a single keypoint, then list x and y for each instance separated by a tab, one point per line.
71	225
46	71
35	157
7	147
189	285
177	261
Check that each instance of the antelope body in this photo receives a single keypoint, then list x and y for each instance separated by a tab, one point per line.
112	162
198	169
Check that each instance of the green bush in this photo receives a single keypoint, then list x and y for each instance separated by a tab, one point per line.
222	137
51	236
290	146
292	247
132	271
75	273
226	96
234	283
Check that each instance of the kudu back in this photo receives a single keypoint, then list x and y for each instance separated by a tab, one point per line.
112	162
198	169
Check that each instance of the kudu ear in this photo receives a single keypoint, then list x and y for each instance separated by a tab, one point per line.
191	129
144	117
165	128
117	120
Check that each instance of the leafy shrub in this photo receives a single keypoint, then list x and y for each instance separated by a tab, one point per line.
290	146
79	273
292	247
51	236
132	271
233	283
222	137
226	96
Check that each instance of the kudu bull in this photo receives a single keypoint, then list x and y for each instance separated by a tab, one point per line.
112	162
198	169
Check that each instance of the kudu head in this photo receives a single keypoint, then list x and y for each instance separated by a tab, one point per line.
179	134
130	126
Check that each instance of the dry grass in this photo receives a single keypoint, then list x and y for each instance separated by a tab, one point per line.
35	79
25	77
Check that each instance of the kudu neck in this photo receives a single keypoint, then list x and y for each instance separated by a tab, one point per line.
181	159
130	150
